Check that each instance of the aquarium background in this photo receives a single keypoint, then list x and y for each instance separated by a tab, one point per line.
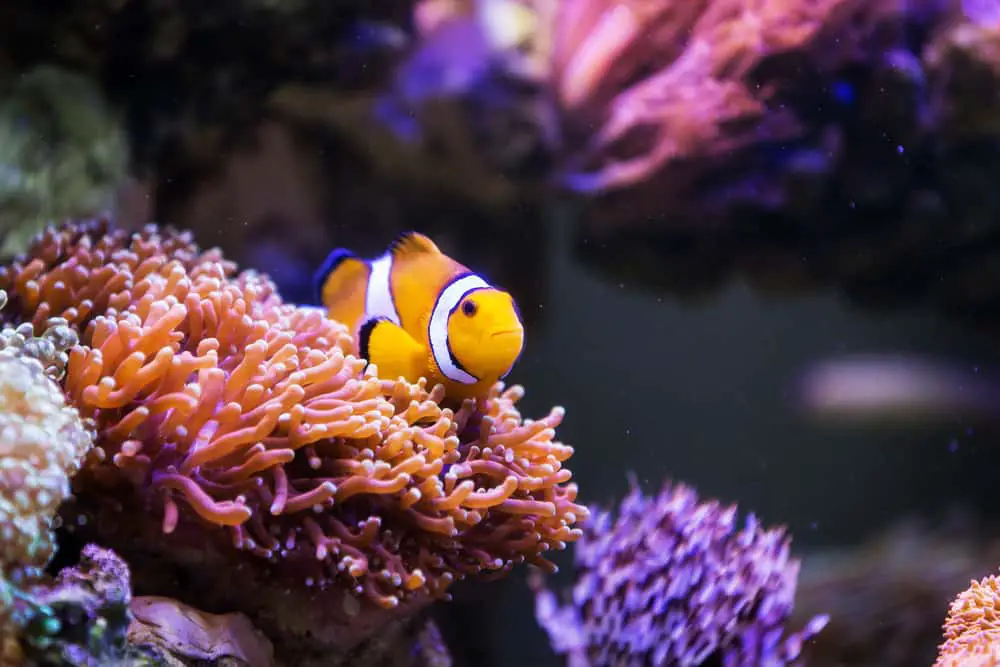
850	208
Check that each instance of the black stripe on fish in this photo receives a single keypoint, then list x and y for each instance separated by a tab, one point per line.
365	334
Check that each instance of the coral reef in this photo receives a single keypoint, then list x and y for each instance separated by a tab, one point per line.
798	143
271	153
668	85
238	423
201	120
860	153
187	116
885	598
671	581
82	617
86	617
42	444
972	630
51	349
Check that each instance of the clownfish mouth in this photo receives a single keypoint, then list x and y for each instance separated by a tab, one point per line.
505	332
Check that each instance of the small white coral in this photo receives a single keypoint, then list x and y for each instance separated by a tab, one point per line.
42	443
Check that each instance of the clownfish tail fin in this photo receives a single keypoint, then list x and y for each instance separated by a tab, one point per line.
412	242
339	266
393	351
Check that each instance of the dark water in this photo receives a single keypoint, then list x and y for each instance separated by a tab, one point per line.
705	394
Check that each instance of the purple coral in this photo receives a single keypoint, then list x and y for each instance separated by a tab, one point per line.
672	582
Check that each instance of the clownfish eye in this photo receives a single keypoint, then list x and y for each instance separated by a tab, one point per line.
469	307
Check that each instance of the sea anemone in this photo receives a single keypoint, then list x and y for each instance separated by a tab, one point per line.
219	406
672	582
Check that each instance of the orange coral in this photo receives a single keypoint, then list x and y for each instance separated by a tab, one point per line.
972	629
218	403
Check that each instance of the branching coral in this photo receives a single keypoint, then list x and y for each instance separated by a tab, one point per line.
672	582
972	629
216	402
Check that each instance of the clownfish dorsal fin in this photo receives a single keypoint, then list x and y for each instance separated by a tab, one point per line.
340	268
412	242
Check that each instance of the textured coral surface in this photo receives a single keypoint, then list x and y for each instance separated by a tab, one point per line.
667	81
81	617
673	581
972	629
885	598
42	442
221	408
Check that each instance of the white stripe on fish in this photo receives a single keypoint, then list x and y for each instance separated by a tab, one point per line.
378	298
437	327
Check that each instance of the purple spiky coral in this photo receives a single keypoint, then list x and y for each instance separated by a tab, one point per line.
672	581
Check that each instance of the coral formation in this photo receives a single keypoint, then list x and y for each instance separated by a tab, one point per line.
217	405
82	617
835	108
962	62
86	617
666	82
885	597
42	444
863	138
972	629
671	581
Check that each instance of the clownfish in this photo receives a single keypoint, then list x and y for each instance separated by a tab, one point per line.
415	312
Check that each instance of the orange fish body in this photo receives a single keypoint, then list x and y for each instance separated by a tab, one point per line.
415	312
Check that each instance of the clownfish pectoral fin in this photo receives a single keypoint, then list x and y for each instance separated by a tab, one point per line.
341	268
388	346
412	242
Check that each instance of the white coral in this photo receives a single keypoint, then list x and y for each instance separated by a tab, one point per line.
42	443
